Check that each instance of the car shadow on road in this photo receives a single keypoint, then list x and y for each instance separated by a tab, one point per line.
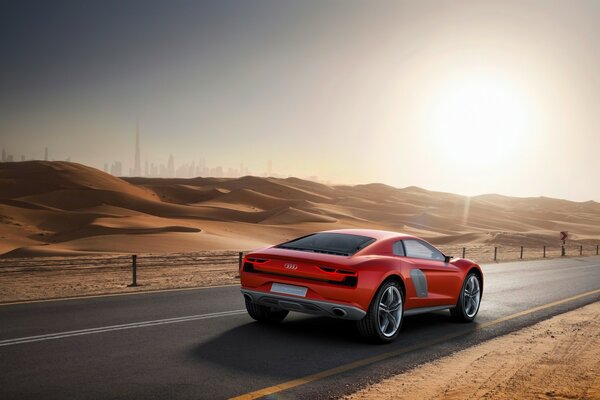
303	344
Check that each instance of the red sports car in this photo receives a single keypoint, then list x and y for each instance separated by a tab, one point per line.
370	276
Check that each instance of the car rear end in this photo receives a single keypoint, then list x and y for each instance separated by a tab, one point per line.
324	281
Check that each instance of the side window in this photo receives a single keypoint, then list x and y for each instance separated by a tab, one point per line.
399	249
418	249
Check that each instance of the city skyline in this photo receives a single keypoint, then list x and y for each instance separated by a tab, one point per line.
188	169
159	170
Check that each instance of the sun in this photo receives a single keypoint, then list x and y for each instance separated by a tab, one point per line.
480	119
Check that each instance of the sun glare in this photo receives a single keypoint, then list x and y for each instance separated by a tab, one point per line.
480	120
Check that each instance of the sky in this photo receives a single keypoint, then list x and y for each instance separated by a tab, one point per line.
468	97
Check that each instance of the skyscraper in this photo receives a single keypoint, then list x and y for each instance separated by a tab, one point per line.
137	169
3	154
171	167
117	169
46	154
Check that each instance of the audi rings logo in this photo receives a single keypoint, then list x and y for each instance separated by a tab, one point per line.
290	266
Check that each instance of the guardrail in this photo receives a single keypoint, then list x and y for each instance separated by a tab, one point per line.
49	277
29	278
485	253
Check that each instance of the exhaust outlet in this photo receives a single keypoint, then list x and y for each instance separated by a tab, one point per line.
248	297
338	312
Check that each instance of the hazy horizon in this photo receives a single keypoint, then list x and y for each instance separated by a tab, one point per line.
461	97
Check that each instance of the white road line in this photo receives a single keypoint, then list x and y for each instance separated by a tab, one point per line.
90	331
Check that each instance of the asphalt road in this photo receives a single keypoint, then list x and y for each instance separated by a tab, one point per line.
200	343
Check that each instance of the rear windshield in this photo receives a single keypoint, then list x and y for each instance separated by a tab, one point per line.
331	243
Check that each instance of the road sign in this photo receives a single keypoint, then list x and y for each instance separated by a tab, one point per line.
564	235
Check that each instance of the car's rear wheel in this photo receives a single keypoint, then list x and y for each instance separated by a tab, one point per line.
384	318
265	314
469	300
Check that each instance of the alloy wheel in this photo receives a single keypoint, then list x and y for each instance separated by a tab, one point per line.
471	296
390	311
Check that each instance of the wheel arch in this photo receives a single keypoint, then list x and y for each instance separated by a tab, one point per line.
397	278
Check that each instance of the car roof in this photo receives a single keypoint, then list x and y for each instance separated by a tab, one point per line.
373	233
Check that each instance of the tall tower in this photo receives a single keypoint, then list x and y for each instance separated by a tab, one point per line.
46	154
171	166
3	155
137	169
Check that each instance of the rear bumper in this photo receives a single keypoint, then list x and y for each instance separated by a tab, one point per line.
304	305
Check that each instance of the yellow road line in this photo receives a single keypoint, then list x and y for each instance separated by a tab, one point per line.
384	356
93	296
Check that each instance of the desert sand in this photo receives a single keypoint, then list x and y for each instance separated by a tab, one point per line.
68	209
557	358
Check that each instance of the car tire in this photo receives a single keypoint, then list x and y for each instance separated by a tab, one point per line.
265	314
387	304
469	300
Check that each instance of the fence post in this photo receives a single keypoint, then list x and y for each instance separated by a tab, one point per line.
544	251
240	258
581	250
597	248
464	251
133	271
521	252
495	253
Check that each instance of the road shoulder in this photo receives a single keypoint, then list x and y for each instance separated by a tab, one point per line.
556	358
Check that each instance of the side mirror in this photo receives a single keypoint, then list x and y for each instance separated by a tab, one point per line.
447	259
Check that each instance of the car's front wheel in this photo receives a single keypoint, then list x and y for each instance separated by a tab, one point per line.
265	314
469	300
384	318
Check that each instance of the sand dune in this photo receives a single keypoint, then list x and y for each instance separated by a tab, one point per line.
252	200
52	208
37	177
291	215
